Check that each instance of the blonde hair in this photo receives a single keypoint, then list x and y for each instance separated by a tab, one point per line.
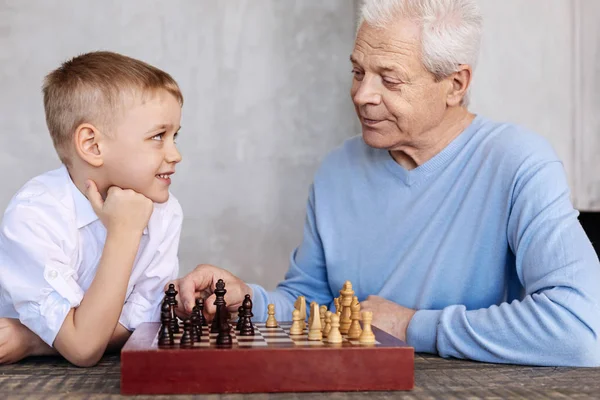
92	88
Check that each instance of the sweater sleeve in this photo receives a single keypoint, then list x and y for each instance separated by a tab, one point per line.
557	322
306	276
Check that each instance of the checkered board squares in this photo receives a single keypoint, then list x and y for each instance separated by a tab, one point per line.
263	337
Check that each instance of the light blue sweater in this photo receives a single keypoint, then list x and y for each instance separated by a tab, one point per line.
482	240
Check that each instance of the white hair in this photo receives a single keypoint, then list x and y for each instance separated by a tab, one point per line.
450	30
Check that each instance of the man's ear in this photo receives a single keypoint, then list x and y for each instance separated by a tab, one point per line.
459	85
89	144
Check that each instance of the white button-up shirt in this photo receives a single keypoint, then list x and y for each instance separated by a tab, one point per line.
51	242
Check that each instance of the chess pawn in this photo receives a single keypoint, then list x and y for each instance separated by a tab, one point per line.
187	340
355	330
322	312
271	321
240	318
314	329
347	294
327	328
335	336
336	304
367	336
296	328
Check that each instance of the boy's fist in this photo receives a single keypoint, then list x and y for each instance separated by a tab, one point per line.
123	209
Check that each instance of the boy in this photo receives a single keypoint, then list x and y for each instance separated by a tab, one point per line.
86	250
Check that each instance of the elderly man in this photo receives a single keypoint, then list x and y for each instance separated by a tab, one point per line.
456	231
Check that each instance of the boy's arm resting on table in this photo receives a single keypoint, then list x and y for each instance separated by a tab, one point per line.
18	342
558	320
37	273
87	329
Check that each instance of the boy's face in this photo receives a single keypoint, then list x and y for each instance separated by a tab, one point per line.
140	152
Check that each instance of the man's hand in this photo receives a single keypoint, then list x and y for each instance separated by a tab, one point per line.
18	342
388	316
124	210
201	283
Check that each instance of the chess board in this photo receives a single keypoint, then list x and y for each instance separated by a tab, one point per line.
270	361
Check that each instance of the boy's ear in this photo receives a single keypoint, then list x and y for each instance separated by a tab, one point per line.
88	144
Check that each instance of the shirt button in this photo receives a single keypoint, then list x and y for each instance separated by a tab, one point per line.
53	274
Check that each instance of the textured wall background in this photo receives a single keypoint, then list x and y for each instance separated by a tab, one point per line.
266	87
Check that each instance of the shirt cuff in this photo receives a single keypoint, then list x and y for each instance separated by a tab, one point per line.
46	319
422	331
259	302
136	310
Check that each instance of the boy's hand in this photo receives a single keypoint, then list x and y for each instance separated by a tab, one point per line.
202	281
18	342
124	210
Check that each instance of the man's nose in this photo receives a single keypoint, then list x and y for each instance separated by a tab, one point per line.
367	92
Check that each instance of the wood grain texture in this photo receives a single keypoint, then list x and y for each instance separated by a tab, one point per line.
435	378
276	367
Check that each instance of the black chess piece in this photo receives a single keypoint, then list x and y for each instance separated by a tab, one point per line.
200	305
171	295
224	337
196	325
168	307
240	318
187	340
247	329
219	302
165	337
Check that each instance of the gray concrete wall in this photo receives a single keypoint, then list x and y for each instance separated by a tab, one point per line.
266	86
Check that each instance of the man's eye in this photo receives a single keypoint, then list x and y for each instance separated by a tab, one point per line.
357	74
158	137
389	81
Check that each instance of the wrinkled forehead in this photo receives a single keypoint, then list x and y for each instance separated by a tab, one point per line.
399	42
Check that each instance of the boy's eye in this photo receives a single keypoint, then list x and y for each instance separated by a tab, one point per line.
158	137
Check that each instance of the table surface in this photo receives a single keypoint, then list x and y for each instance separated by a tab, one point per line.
435	377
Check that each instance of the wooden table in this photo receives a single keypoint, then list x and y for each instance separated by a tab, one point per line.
435	378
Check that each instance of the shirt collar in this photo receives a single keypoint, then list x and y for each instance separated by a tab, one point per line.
84	213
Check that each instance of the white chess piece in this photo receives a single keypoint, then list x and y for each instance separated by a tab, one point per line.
300	305
347	293
335	336
355	331
322	312
271	321
327	328
367	336
314	329
296	328
310	318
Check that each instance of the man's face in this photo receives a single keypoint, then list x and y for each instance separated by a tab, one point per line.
396	99
140	153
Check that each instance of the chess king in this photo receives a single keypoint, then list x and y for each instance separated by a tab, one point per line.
456	231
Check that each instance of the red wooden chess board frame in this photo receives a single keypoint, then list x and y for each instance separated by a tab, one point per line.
271	361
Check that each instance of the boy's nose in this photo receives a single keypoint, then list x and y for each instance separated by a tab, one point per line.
173	155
